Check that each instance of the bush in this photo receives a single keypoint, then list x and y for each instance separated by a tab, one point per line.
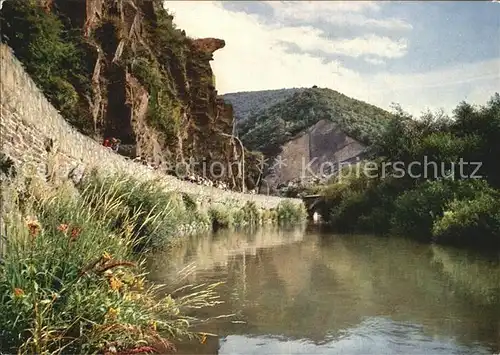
248	215
473	221
417	209
361	204
221	217
290	213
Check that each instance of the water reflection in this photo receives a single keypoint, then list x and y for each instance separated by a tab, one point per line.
307	292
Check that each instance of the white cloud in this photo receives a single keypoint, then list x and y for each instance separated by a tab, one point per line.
256	59
311	39
236	24
334	12
374	60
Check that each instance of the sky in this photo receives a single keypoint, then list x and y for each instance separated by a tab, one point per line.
421	55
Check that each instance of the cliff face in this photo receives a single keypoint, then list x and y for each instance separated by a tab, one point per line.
144	81
307	132
317	153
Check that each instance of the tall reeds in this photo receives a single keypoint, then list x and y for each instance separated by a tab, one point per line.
70	282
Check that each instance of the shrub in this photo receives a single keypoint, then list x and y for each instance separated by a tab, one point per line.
417	209
221	217
287	212
270	216
248	215
360	203
470	222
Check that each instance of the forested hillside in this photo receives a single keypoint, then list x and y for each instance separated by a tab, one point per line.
247	103
267	129
436	179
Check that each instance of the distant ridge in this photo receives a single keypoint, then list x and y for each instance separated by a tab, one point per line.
246	103
269	119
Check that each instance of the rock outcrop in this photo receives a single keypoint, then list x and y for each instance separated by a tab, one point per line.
316	153
150	85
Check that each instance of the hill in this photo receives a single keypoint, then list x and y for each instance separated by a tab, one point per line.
246	103
268	128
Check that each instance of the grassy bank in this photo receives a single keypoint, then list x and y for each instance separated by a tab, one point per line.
441	200
286	213
163	215
71	280
71	283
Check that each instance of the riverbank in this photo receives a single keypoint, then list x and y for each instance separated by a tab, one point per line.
435	179
72	276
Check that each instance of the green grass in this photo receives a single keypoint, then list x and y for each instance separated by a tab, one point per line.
71	279
160	214
71	283
286	213
289	213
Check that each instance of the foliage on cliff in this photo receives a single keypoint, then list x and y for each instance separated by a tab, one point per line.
444	188
122	69
269	129
52	55
59	57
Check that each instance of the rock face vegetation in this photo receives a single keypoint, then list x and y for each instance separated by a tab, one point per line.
122	69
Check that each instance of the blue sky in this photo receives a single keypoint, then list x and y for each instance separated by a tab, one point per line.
422	55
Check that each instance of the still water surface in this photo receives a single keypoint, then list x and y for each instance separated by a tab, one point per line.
308	292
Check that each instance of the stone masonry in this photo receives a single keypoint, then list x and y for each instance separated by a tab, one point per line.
36	137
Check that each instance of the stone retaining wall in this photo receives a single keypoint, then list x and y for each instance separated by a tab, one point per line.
36	137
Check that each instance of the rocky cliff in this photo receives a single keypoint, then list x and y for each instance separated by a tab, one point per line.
307	132
122	69
313	155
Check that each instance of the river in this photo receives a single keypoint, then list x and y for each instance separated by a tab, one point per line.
311	292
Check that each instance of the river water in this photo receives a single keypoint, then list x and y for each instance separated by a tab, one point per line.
310	292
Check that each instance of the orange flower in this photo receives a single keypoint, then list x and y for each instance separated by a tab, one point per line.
33	226
63	227
75	232
18	292
115	283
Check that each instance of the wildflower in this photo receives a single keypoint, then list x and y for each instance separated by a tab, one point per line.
33	226
75	232
154	325
18	292
63	227
115	283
